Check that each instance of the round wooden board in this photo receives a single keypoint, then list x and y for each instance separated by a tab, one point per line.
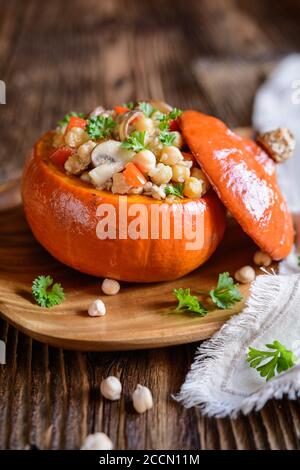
138	317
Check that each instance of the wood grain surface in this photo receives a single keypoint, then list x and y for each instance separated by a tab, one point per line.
56	56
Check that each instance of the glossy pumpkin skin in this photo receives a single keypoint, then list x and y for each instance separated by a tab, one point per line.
61	211
244	177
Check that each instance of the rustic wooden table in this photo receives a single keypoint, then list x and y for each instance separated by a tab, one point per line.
56	56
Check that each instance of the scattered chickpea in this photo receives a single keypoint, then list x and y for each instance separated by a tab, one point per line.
110	286
161	174
171	155
145	160
76	136
180	173
111	388
193	187
97	441
97	308
245	275
142	399
144	123
178	141
262	259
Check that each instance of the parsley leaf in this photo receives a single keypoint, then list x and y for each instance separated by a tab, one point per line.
164	121
43	295
175	113
135	142
99	127
174	189
268	363
189	302
227	293
167	138
298	260
65	120
147	108
129	105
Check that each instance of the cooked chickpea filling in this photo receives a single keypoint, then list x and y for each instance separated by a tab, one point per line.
132	149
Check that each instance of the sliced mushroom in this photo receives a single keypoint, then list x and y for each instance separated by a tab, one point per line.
279	144
108	158
161	106
110	151
124	122
101	174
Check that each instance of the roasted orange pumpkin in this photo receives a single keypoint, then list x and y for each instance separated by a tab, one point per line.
61	211
244	177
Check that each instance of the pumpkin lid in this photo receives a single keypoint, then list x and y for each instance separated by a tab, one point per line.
244	178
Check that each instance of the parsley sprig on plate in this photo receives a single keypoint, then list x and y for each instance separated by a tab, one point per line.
189	302
272	362
146	108
226	293
99	127
45	293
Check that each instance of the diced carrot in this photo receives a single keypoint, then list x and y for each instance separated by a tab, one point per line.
134	177
76	122
61	155
121	109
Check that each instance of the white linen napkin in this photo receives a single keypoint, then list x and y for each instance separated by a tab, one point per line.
221	381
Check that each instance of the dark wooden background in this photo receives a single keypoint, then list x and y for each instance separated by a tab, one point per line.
73	54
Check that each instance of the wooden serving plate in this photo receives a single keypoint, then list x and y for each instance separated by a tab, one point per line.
138	317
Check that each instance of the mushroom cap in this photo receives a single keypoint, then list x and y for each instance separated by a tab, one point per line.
244	178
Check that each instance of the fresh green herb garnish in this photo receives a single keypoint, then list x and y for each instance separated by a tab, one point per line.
268	363
189	302
167	138
129	105
227	293
99	127
298	260
175	113
66	119
174	189
44	294
147	108
135	142
165	119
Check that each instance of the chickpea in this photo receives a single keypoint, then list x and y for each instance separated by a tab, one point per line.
144	123
262	259
197	173
84	151
76	136
161	174
110	287
111	388
145	160
97	308
245	275
193	187
171	155
178	141
180	173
